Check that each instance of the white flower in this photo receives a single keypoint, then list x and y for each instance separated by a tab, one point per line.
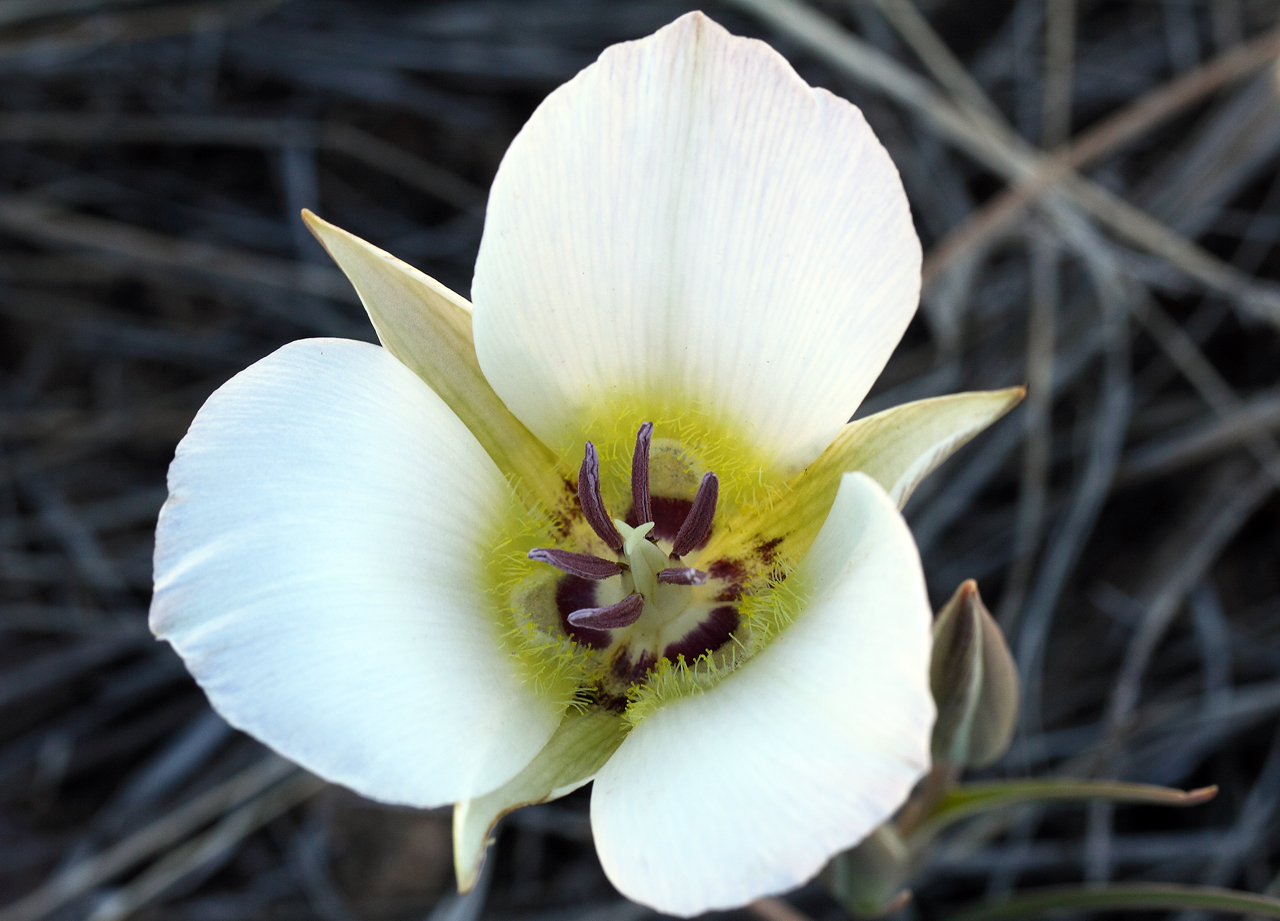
687	235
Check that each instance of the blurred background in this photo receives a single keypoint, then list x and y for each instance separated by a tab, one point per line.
1122	523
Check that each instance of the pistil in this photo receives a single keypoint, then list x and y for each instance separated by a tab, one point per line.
645	559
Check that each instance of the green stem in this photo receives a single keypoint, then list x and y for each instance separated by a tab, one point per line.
969	799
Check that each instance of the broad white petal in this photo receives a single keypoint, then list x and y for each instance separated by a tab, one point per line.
318	569
687	217
748	789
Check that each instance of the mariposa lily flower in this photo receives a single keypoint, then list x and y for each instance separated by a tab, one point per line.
609	522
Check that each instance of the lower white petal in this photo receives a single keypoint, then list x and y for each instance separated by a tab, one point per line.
318	568
748	789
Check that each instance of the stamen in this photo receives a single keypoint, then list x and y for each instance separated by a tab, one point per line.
640	503
583	565
591	501
623	614
688	576
697	524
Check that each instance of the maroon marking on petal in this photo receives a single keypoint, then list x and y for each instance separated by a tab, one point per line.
576	564
733	574
685	576
668	515
624	670
574	594
708	636
728	570
614	703
697	526
640	504
768	549
623	614
592	503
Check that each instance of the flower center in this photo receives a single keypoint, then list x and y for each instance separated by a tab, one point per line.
645	599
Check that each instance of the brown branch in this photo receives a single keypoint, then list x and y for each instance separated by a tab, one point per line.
1125	126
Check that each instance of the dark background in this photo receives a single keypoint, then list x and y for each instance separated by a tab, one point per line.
1122	523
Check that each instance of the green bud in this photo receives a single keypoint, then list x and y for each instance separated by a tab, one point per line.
974	682
867	879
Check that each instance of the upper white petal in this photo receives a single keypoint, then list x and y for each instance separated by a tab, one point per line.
688	216
318	569
749	788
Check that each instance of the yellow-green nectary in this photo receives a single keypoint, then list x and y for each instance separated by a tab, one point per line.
404	568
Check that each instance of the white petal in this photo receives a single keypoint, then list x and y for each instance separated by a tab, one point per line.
748	789
688	217
318	569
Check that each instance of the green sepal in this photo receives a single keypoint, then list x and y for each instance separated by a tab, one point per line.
578	749
974	682
897	448
428	327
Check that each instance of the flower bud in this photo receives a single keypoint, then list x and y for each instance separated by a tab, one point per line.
974	682
867	879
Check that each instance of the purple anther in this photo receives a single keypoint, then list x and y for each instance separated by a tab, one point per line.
697	524
623	614
591	501
686	576
640	504
583	565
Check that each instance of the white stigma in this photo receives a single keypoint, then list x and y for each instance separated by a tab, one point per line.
663	603
645	558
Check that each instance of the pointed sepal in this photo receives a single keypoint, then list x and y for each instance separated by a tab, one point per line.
580	746
974	681
901	446
897	448
428	327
